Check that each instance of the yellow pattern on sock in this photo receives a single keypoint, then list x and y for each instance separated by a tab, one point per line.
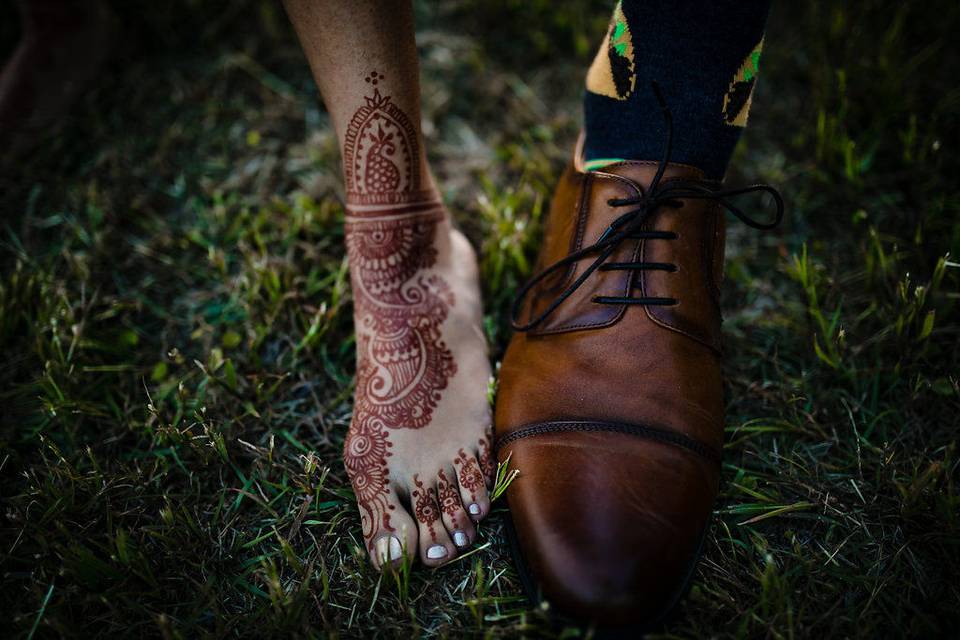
612	71
736	109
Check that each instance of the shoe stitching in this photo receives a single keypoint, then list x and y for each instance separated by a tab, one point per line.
650	433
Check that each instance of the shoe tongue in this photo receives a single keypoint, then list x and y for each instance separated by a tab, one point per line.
642	172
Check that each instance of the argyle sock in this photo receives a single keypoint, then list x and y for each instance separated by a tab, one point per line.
705	56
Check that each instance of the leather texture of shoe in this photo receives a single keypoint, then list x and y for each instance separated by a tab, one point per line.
610	399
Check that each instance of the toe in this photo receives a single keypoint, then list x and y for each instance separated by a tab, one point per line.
486	459
390	532
436	547
454	515
473	487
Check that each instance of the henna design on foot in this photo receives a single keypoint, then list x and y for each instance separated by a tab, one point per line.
403	365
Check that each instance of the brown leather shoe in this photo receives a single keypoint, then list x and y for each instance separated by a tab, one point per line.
610	399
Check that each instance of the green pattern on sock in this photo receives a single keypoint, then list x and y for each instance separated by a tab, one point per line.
619	31
736	102
612	72
749	73
599	163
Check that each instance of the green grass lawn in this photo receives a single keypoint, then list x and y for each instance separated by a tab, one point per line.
177	351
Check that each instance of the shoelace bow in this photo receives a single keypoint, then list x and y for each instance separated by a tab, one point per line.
629	226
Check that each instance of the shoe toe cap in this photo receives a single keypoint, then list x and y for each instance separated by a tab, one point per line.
610	525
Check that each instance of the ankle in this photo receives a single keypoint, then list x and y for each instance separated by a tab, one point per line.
705	59
383	159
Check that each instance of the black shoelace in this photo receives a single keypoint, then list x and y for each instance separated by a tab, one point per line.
629	226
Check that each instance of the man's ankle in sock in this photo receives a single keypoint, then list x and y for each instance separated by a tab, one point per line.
705	57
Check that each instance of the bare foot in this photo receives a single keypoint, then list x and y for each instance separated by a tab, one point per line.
418	450
421	425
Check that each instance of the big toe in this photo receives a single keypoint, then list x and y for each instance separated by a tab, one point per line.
391	533
610	525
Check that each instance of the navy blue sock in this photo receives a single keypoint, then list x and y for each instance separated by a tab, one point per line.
704	54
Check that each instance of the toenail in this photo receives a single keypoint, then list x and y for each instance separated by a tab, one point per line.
460	539
474	509
436	552
389	549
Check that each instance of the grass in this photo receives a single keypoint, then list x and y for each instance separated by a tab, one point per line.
178	358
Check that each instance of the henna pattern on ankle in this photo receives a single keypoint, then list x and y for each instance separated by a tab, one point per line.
425	506
403	364
381	156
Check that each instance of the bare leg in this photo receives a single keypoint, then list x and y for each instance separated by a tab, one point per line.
421	423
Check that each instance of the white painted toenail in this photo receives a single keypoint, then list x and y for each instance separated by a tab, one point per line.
396	549
475	509
460	539
436	552
389	549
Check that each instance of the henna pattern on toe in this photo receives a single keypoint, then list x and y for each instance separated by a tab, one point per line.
403	365
470	476
425	506
488	465
449	498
